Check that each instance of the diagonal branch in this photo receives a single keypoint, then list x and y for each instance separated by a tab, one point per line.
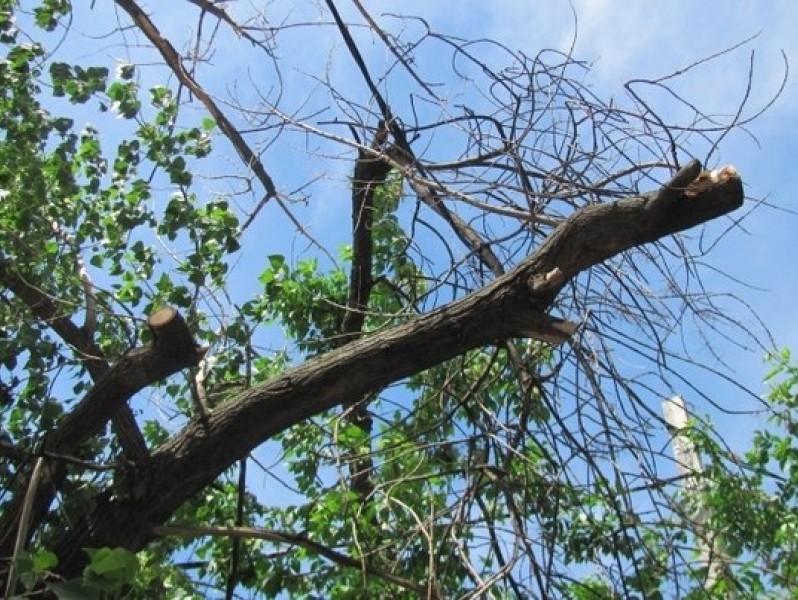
399	54
370	173
175	63
172	349
299	540
217	11
514	305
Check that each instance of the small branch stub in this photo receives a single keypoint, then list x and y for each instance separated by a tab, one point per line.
548	282
162	317
708	179
171	334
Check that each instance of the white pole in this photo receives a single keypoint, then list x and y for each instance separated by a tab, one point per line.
689	462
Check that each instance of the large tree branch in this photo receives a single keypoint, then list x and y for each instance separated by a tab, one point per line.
514	305
171	350
369	174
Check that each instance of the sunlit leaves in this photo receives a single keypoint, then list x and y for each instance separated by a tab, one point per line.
108	571
75	197
124	98
301	448
20	58
306	301
208	124
49	11
8	30
75	82
110	568
32	566
213	229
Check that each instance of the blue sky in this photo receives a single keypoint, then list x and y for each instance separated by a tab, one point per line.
625	40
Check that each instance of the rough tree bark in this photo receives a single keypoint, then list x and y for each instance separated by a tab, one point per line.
514	305
172	349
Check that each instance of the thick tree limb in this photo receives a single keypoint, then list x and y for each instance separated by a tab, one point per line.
171	350
370	173
514	305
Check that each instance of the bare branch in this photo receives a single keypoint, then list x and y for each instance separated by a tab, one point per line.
172	58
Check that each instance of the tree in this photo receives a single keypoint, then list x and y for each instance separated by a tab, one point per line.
446	393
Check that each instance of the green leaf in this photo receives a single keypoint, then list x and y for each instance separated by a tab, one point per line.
47	14
124	96
126	71
110	568
44	560
74	590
